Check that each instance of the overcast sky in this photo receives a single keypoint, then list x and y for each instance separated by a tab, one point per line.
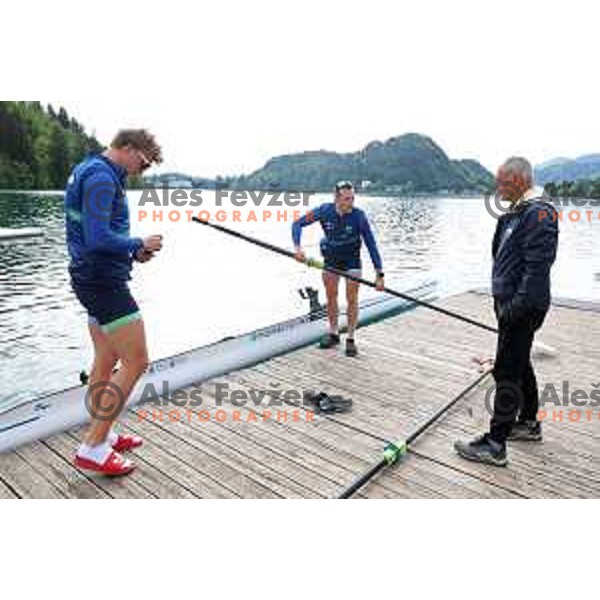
227	88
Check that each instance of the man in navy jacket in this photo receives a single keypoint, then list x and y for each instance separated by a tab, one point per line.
524	250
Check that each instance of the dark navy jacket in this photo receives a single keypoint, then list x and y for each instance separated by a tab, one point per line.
97	219
344	234
524	250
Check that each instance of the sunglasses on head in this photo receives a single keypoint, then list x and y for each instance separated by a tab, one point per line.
344	185
146	164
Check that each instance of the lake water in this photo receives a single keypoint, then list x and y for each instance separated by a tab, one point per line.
206	286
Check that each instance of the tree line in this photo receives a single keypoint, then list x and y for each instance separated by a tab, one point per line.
582	188
39	145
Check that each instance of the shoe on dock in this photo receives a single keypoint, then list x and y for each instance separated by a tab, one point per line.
127	443
331	340
325	404
114	466
351	348
526	431
483	450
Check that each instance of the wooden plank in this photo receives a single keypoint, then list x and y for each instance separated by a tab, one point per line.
217	460
62	474
6	492
171	454
25	480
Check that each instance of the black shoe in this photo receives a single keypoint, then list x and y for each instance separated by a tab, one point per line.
351	349
483	450
329	341
324	403
526	431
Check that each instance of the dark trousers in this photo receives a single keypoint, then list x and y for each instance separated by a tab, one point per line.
516	386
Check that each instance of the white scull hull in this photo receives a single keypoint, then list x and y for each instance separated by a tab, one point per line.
7	235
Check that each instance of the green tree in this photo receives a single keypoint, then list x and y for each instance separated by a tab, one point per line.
38	146
595	189
60	162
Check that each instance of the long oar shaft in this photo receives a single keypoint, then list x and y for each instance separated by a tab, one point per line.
319	265
394	452
363	480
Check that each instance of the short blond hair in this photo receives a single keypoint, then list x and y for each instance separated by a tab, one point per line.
141	140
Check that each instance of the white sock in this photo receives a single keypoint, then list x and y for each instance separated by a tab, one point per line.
113	437
97	454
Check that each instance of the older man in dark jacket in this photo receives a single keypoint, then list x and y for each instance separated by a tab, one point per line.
524	250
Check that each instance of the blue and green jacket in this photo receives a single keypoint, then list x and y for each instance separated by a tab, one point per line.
98	223
344	235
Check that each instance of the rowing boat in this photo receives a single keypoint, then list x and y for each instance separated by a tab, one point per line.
7	235
41	418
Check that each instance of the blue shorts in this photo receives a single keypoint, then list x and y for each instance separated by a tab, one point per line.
351	264
109	307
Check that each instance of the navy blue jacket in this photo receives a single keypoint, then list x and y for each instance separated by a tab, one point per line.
344	234
97	219
524	250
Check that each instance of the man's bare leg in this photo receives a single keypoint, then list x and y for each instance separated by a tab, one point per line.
352	290
105	361
127	344
332	283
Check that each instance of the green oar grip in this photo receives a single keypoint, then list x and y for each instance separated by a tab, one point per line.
315	264
394	452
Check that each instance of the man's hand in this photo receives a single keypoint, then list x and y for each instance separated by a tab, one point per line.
300	256
144	256
153	244
380	283
484	363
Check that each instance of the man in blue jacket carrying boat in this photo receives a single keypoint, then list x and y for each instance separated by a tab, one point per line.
102	255
524	250
345	228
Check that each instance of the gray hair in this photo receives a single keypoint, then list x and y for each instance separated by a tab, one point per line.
517	165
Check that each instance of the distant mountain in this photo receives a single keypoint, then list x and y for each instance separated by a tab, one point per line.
564	169
179	180
553	162
410	163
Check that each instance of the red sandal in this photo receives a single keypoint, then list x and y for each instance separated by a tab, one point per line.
114	466
127	443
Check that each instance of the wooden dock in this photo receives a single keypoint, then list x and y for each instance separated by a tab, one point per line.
409	367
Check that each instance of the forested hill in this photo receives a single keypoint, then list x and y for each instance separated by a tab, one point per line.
408	163
39	146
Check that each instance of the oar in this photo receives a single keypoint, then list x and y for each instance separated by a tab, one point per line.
394	452
316	264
